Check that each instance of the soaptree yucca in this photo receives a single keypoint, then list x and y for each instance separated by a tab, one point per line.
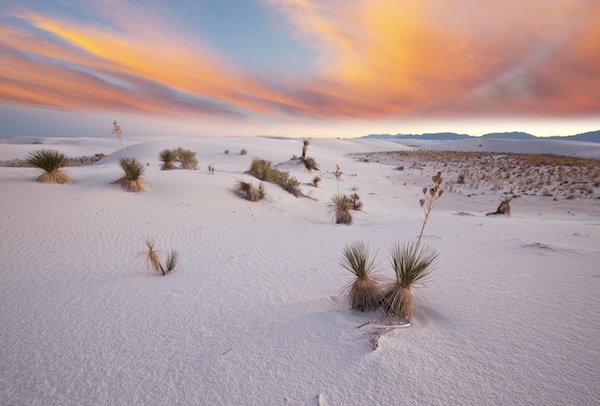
365	290
249	191
153	259
412	264
132	179
340	209
167	157
50	161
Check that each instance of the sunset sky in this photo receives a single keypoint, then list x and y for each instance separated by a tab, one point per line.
298	68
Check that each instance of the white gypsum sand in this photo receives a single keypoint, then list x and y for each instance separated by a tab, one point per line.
254	313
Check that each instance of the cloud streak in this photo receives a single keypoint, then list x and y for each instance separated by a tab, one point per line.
377	59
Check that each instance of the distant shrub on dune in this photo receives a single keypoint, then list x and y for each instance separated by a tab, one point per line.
316	180
243	151
167	157
249	191
132	179
340	209
310	164
262	169
185	157
50	161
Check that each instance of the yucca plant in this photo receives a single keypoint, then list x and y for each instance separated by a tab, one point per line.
187	158
316	180
152	258
167	157
340	209
411	264
248	191
365	290
50	161
305	144
172	261
132	180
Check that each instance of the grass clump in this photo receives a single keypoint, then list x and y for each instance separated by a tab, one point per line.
411	265
365	290
249	191
50	161
167	157
263	170
340	209
153	259
132	179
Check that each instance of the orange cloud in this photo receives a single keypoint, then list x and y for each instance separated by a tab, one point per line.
377	59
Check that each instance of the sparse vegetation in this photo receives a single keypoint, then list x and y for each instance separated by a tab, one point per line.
185	157
153	259
243	151
249	191
262	169
365	290
340	209
356	203
316	180
411	265
50	161
167	157
132	179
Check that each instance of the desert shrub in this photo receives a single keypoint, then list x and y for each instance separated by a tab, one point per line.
167	157
305	144
411	265
132	179
249	191
262	169
243	151
211	169
226	152
355	200
50	161
153	259
310	164
340	209
187	158
316	180
365	290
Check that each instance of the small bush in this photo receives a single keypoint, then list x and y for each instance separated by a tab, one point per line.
262	169
50	161
365	290
132	179
340	209
153	259
243	151
167	157
310	164
411	264
226	152
248	191
316	180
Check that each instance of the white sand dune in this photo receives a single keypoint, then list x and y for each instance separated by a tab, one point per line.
255	313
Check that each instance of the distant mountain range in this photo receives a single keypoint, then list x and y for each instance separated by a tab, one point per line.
592	136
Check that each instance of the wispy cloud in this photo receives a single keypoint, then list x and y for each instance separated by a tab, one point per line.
376	59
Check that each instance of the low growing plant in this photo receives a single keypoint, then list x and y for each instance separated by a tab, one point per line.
411	265
132	179
50	161
340	209
365	290
153	259
249	191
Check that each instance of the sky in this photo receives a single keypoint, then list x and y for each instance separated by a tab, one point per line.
298	68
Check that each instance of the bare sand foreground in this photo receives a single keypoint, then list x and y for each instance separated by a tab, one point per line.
256	312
